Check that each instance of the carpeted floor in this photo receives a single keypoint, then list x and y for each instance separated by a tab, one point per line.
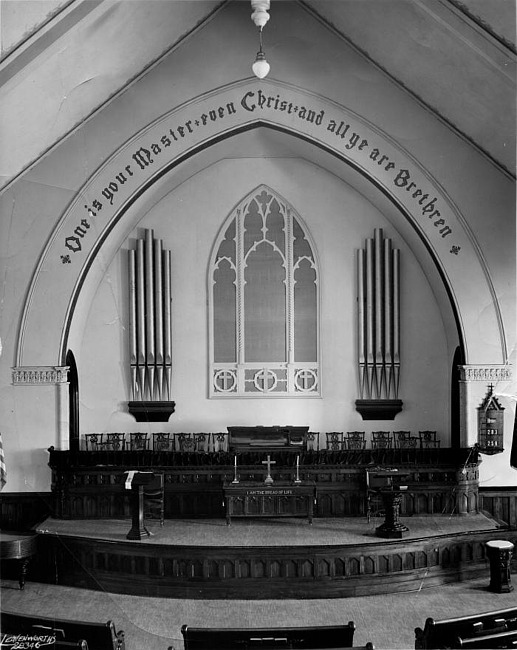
265	532
388	621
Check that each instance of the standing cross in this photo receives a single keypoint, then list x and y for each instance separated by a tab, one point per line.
268	480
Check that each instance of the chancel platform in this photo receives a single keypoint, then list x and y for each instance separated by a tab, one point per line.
265	558
267	494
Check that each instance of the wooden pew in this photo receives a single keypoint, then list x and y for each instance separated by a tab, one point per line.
445	633
506	639
98	636
314	638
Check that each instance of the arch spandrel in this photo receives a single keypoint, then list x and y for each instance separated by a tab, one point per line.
90	220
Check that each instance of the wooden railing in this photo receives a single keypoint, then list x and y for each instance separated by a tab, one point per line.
90	484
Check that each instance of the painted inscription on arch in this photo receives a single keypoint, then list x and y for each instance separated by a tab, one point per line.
173	138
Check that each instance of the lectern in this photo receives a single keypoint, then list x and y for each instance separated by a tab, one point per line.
136	481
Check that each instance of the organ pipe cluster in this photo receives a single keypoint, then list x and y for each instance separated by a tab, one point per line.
378	273
150	331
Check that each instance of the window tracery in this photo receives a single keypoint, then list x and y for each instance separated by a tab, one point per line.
263	300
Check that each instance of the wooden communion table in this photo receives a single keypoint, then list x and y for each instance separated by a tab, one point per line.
254	499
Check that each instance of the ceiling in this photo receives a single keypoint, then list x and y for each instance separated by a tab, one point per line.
456	58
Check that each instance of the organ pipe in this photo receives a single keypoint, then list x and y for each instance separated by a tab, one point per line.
158	283
132	321
396	318
361	316
140	292
167	321
149	298
388	313
150	337
370	320
158	321
378	318
379	297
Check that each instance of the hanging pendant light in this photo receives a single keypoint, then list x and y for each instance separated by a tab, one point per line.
260	17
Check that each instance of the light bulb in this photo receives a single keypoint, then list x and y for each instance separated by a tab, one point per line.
260	67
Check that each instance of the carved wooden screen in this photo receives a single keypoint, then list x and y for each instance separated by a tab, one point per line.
263	299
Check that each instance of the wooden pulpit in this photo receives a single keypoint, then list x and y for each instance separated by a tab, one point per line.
136	481
387	483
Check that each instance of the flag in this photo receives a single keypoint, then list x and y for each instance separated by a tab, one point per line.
3	471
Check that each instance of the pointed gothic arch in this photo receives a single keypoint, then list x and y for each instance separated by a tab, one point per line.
72	252
263	302
73	401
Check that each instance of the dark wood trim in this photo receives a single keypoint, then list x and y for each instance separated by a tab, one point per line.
458	360
378	409
23	510
500	503
335	571
73	401
90	484
146	411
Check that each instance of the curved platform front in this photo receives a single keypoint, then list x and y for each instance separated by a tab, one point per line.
266	558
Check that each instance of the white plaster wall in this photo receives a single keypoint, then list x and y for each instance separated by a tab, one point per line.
31	208
188	219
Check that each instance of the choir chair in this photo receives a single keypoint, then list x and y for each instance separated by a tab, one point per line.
313	441
428	440
404	440
355	440
201	442
220	441
93	441
138	441
185	442
163	442
335	441
114	442
381	440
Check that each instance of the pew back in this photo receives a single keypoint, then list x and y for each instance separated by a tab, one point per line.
444	633
507	639
98	636
328	636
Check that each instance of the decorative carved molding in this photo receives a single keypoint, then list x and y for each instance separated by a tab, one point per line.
378	409
151	411
226	572
39	375
485	373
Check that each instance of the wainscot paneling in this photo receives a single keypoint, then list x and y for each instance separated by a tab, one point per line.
91	484
23	510
500	503
334	571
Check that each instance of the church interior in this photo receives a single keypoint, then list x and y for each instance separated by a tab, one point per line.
257	325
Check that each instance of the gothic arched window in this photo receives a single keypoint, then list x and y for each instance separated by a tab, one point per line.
263	301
